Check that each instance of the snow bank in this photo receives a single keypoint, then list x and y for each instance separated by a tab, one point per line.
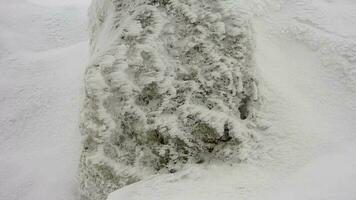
171	82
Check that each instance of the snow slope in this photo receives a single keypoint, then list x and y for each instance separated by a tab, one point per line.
43	53
305	55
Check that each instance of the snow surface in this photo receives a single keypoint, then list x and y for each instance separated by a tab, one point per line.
43	53
305	55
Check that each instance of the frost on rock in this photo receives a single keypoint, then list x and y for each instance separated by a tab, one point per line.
171	82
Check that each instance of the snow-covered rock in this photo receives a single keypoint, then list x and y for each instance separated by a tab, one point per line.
171	82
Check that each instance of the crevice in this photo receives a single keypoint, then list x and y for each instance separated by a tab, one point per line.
243	108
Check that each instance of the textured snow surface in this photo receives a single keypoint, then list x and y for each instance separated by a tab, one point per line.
43	54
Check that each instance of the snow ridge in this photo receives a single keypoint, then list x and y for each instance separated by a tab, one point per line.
171	82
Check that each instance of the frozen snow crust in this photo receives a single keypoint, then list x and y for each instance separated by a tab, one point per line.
171	82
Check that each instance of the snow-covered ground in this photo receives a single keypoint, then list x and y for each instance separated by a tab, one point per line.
43	53
305	56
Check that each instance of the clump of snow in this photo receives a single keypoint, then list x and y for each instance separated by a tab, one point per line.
171	82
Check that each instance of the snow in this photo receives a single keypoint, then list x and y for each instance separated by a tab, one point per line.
43	53
62	3
330	176
305	58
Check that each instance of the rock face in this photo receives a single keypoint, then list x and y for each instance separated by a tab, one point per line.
171	82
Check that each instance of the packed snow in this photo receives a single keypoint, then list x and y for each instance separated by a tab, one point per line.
303	102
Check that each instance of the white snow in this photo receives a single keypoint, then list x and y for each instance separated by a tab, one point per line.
305	56
62	3
43	53
331	176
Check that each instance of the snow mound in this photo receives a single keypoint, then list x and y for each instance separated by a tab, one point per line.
171	82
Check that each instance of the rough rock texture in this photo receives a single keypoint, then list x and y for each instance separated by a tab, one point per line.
171	82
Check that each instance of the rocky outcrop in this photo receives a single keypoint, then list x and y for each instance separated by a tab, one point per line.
171	82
